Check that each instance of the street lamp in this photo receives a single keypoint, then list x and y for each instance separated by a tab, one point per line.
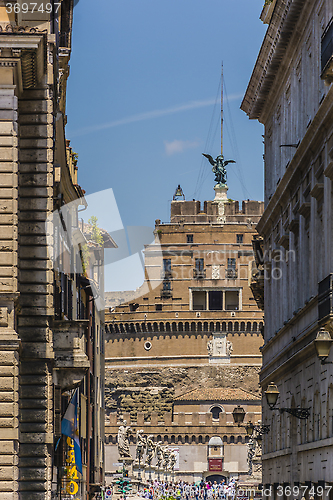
238	415
323	343
272	394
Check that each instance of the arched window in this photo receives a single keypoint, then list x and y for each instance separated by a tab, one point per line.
186	439
116	328
127	328
207	439
236	326
205	326
211	326
255	326
173	439
167	326
242	326
159	438
132	328
180	327
225	439
199	326
149	327
155	327
143	327
224	326
218	326
248	326
215	411
232	439
239	439
179	440
137	326
161	326
187	326
192	327
200	440
121	327
166	439
230	326
193	439
261	326
174	326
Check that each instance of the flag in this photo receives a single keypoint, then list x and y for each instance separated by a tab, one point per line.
69	427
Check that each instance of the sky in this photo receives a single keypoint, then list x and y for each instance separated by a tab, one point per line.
143	102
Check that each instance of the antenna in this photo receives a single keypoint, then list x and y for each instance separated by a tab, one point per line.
222	110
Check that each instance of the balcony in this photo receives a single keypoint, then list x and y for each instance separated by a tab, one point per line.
199	274
327	54
71	360
231	274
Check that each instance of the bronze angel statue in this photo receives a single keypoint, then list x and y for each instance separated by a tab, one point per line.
219	169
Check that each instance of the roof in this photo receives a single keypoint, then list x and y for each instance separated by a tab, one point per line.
219	394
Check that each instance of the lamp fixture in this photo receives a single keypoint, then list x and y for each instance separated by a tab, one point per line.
251	429
238	415
323	343
272	394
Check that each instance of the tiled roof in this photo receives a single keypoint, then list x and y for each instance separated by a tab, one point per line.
218	394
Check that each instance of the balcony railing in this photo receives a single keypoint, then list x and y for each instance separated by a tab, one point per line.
231	273
199	273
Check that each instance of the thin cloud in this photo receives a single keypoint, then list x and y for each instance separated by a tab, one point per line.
178	146
150	115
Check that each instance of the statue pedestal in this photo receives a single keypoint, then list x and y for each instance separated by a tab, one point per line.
221	192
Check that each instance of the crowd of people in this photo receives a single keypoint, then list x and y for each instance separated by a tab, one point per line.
204	490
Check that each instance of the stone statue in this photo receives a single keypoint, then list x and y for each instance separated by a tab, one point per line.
159	454
123	440
229	348
140	447
219	169
166	454
172	461
150	450
210	348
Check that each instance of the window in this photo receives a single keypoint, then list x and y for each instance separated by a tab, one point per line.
166	285
158	307
232	301
189	238
232	263
216	410
239	238
199	301
215	300
167	265
199	265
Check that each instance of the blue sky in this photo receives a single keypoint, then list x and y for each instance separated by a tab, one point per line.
143	100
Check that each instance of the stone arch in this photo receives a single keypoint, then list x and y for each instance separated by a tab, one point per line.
199	326
155	326
224	326
211	326
166	439
161	326
200	439
229	326
239	439
248	326
193	439
225	439
174	326
180	326
173	439
179	440
205	326
187	326
186	439
218	326
193	329
242	326
167	327
232	440
207	439
255	326
236	326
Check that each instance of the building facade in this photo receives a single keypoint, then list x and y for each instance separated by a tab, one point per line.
193	325
51	330
290	93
